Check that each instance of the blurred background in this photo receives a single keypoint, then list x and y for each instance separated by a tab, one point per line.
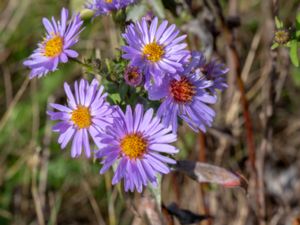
256	132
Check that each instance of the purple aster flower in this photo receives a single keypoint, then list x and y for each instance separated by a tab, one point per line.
133	76
156	49
187	98
55	47
212	70
102	7
135	142
86	114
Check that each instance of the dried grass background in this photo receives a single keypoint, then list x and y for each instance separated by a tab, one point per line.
256	132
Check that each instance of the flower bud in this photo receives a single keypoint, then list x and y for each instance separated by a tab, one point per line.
133	76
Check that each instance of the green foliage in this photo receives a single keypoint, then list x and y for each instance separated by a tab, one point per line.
64	170
288	38
296	76
112	72
77	5
136	12
294	52
158	8
298	21
278	23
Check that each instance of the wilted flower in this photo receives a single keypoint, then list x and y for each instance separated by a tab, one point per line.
149	16
133	76
87	113
55	47
187	98
212	70
102	7
156	50
135	142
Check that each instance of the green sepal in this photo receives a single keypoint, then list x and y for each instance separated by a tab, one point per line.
278	23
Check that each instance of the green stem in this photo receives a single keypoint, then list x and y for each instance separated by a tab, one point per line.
81	63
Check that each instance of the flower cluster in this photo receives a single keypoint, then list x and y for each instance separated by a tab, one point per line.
185	87
103	7
137	141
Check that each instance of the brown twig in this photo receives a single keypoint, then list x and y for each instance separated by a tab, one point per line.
13	103
270	93
34	189
7	86
93	203
202	158
45	161
202	147
237	71
234	55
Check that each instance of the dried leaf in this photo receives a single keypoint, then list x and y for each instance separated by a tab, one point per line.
206	173
185	216
148	211
296	221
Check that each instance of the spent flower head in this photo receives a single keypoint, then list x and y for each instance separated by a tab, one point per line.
282	36
212	70
102	7
56	46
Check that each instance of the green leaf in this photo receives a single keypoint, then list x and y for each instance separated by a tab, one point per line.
77	5
275	45
298	33
86	14
115	98
158	7
136	12
123	91
278	23
296	76
294	53
298	21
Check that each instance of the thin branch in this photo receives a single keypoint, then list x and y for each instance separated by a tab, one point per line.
228	32
13	103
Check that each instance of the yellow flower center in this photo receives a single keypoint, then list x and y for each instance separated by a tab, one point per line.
133	145
108	1
153	51
182	90
82	117
54	46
